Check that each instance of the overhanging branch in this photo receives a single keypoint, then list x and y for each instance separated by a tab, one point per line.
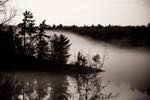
3	2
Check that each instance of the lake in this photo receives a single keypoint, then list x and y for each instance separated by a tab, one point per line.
126	69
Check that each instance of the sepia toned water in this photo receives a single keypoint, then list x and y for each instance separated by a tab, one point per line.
127	70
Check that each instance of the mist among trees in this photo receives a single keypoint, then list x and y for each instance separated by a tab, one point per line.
31	49
28	48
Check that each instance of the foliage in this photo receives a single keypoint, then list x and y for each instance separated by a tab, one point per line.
59	49
89	86
27	28
42	44
37	46
124	36
81	60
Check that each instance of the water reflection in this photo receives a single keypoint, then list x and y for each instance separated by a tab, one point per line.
34	86
46	86
122	66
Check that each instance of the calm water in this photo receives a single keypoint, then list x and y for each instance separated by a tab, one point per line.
126	69
120	64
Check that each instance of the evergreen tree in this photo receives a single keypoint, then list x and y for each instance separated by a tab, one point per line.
42	44
60	49
90	86
27	28
81	60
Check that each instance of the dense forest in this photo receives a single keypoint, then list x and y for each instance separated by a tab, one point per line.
122	36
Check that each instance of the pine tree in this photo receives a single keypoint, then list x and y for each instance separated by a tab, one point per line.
60	49
42	44
90	86
27	28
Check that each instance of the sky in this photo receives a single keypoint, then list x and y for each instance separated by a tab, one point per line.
86	12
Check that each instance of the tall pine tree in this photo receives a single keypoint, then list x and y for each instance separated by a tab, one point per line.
60	46
27	28
42	43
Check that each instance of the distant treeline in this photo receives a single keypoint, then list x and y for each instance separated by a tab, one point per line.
124	36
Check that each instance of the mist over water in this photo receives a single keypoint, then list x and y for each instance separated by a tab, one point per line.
127	69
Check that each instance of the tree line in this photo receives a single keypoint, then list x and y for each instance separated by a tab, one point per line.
87	86
31	42
32	46
124	36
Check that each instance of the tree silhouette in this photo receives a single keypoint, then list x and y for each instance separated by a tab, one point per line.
89	86
81	60
42	44
148	25
131	36
7	46
60	49
18	44
54	26
27	28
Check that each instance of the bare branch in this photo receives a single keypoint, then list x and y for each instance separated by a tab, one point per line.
3	2
7	15
11	16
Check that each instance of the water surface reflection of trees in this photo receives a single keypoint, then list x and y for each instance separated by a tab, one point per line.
31	47
46	86
87	87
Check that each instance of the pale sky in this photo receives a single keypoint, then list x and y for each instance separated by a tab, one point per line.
86	12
